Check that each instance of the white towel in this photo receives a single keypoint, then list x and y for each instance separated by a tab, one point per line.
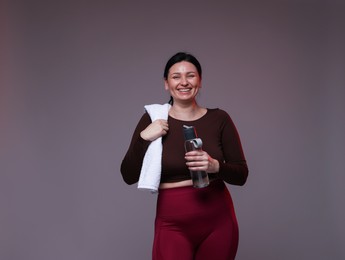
150	174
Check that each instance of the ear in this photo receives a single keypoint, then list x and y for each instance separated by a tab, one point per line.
166	85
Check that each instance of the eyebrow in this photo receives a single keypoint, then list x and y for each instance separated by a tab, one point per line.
188	72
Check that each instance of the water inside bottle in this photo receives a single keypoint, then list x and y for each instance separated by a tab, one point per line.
200	179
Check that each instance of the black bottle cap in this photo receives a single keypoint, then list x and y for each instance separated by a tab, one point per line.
189	132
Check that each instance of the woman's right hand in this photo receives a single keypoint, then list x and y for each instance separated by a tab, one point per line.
154	130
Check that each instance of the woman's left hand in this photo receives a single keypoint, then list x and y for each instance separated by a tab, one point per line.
200	160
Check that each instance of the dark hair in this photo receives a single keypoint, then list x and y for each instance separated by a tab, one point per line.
178	57
182	56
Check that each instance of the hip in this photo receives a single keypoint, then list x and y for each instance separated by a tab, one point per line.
186	200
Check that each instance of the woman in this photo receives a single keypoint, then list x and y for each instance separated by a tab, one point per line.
190	223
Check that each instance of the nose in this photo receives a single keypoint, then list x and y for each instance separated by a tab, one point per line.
184	81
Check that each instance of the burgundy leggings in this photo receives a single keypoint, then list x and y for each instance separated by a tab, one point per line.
195	224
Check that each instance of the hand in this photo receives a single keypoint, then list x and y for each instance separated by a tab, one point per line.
201	161
154	130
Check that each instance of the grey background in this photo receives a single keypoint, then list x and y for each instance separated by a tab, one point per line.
75	76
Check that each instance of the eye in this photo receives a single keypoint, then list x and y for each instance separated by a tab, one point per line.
175	77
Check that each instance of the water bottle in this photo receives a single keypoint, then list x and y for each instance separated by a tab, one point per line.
192	143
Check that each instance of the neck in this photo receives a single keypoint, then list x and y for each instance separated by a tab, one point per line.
186	112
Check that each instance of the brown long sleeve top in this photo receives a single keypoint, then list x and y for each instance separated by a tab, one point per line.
220	140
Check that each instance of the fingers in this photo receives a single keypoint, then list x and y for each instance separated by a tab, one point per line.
196	156
197	160
154	130
198	166
201	161
163	124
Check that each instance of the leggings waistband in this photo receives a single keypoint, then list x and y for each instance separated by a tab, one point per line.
216	184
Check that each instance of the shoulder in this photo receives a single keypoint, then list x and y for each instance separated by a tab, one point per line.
217	112
144	121
219	116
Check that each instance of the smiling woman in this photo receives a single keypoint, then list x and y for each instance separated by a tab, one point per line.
183	81
188	60
191	223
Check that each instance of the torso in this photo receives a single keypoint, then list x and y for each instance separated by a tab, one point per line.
176	184
201	113
174	170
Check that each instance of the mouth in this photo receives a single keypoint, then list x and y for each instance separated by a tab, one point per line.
184	90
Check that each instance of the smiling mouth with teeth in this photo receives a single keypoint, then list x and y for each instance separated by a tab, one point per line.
185	90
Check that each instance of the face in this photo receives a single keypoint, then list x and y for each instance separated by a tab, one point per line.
183	81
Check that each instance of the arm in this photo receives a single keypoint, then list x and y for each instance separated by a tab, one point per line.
145	132
132	162
233	169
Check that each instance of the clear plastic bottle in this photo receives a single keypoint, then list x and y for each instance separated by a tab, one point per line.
192	143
